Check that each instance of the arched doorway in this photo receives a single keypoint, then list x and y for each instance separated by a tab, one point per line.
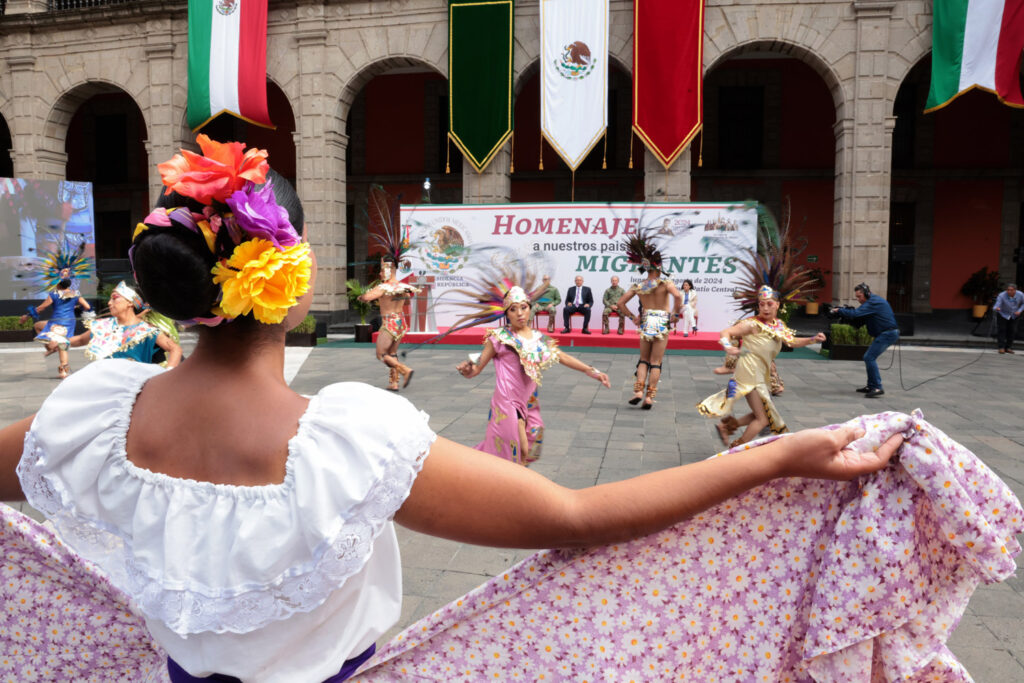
396	125
617	183
957	197
6	163
768	135
105	145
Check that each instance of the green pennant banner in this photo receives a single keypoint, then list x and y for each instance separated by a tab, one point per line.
480	77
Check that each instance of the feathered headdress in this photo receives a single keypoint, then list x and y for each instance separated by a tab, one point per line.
642	250
771	271
385	224
62	262
502	282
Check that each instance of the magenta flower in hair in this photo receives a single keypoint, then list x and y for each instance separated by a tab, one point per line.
259	216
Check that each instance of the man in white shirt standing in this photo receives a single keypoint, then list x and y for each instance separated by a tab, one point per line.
1009	305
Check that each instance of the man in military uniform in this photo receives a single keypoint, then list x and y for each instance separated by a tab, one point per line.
611	304
548	301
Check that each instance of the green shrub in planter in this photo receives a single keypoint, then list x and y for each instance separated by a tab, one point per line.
848	335
307	325
12	322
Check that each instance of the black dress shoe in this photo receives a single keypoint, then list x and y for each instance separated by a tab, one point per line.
863	390
566	330
874	393
586	331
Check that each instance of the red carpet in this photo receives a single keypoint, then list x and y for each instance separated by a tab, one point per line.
705	341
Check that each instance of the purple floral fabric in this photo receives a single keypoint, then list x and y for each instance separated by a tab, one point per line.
61	620
796	580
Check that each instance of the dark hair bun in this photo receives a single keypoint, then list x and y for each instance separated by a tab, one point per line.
173	264
172	267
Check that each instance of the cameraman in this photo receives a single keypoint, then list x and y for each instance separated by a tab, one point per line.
876	313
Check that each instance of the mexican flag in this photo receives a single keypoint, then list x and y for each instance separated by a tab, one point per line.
227	61
976	44
574	76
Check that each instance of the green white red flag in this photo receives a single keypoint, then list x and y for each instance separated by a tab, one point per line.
668	79
976	44
227	61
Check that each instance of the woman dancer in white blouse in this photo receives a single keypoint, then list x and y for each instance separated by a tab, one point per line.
250	524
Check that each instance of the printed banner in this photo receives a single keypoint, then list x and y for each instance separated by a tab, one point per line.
668	108
38	219
480	78
574	75
701	242
227	61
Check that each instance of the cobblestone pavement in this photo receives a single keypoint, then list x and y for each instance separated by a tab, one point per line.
593	436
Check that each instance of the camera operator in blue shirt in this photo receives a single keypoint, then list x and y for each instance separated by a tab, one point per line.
876	313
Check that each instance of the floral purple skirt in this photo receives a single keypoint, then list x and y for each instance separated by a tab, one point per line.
796	580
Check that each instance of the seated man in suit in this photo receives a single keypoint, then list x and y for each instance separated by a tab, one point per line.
578	299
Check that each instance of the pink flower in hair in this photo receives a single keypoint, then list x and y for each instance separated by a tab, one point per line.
220	170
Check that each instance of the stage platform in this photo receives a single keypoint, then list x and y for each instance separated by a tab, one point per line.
702	341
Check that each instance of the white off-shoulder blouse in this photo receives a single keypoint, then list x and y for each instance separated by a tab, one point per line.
282	582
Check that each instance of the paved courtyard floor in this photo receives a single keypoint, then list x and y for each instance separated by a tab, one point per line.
593	436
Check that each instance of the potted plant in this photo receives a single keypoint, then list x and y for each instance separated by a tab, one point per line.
354	290
982	287
303	334
848	342
13	330
817	281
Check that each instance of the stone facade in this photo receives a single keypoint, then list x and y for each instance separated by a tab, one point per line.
321	54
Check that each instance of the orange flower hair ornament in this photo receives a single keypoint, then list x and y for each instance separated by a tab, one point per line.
263	266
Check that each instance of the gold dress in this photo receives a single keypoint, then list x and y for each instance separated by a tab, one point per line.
760	347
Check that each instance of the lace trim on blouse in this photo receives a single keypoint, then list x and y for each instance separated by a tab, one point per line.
242	608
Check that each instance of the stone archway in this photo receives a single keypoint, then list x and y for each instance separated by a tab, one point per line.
105	135
395	114
757	144
51	147
953	171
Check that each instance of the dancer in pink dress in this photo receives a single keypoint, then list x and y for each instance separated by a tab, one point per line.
515	430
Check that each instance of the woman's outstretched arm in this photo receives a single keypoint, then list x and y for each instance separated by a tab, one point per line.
459	489
12	442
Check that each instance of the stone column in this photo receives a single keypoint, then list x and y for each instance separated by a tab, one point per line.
162	116
494	185
320	144
671	185
863	160
22	124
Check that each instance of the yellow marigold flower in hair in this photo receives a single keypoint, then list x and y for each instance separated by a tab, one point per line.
261	279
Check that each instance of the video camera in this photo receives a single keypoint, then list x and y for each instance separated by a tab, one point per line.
832	312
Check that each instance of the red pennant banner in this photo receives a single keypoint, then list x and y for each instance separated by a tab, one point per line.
668	66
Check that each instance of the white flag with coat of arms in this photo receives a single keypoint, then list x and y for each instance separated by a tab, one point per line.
574	75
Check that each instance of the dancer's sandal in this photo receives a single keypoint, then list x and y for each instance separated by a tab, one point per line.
723	433
63	370
649	401
638	389
406	372
392	380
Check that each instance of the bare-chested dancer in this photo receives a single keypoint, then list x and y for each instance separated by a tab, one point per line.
653	293
391	296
